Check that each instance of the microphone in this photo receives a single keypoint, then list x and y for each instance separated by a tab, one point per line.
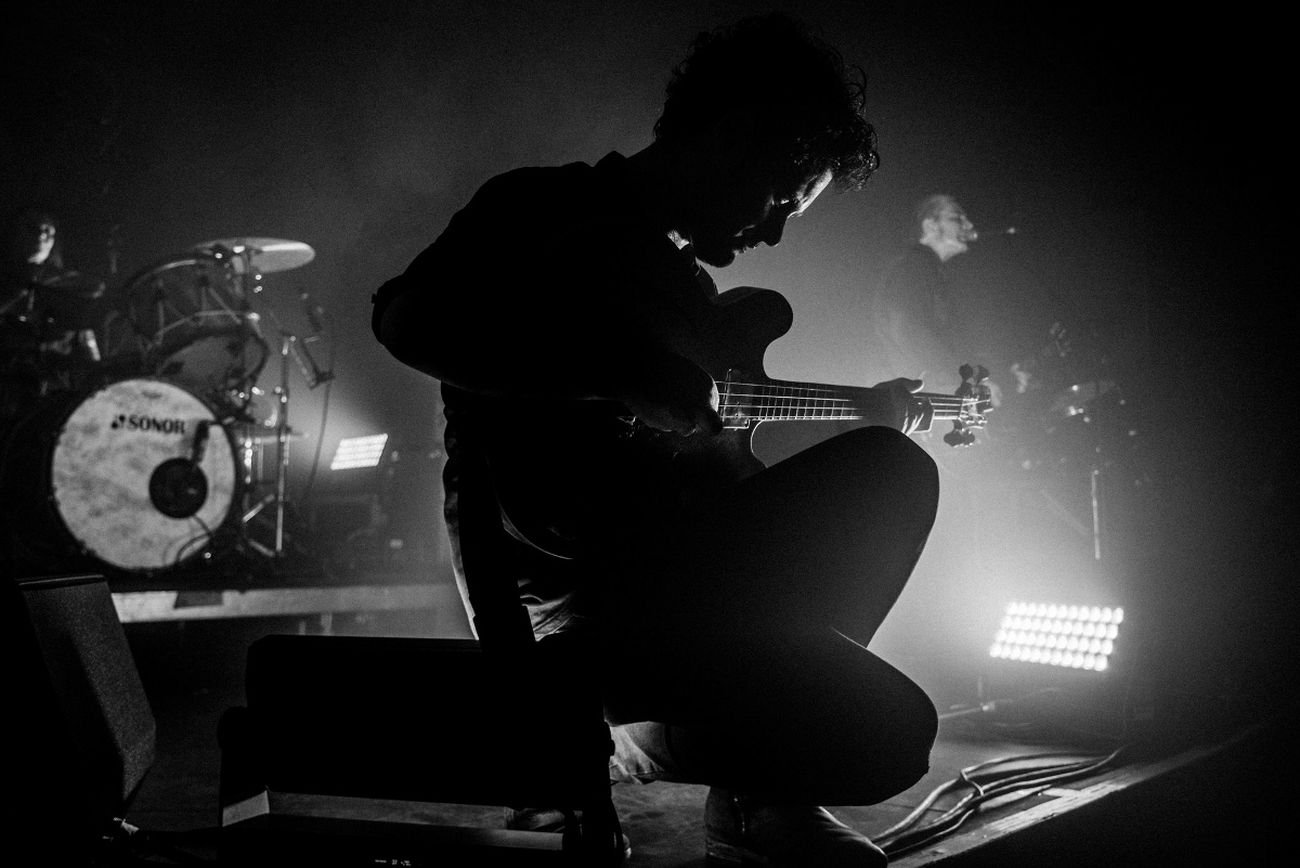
974	235
200	447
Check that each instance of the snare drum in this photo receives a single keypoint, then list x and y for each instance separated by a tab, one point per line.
138	475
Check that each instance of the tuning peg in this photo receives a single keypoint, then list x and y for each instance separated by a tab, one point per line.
958	437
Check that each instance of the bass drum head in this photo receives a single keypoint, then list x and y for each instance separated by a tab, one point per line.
142	474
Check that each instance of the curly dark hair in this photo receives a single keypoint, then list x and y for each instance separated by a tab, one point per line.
809	105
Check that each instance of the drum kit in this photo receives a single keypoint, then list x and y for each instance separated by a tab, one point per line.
1067	415
143	451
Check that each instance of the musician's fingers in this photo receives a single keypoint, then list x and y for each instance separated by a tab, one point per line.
911	416
924	413
906	383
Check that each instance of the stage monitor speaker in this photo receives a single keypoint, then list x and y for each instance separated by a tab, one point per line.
85	734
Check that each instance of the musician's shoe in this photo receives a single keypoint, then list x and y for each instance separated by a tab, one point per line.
742	831
641	754
534	820
618	848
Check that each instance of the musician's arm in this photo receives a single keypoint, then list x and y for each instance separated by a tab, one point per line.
509	353
537	322
510	347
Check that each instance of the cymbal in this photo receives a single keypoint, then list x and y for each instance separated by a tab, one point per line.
71	283
263	255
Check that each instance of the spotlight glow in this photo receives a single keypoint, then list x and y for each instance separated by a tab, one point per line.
356	452
1070	636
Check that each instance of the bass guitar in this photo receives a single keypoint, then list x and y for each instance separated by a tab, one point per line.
599	467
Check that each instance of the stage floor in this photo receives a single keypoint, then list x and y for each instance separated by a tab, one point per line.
1201	791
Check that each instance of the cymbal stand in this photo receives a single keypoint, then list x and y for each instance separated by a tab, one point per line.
276	498
241	264
290	347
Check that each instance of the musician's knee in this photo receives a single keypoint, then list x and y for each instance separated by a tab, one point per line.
877	439
913	737
883	456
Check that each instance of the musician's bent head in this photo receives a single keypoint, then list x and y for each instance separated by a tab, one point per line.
762	116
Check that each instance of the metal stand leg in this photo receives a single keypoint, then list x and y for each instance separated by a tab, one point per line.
1095	494
282	443
279	495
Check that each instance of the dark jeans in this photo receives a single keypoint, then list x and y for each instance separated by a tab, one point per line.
734	645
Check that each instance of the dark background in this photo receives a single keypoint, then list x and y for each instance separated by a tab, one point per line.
1143	160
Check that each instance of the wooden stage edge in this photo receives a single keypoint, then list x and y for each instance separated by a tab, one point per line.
142	606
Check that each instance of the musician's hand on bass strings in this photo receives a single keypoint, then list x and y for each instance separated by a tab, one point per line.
905	411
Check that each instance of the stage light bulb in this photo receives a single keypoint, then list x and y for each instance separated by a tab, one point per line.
1067	635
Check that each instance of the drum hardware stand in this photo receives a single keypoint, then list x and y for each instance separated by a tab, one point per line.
1097	459
290	346
1094	491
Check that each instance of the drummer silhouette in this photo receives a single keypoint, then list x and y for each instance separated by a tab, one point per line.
48	313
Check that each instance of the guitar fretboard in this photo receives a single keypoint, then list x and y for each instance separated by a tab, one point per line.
789	401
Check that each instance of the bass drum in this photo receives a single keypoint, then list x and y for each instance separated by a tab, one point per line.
138	475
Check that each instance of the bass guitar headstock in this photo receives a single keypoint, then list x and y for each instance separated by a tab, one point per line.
977	400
